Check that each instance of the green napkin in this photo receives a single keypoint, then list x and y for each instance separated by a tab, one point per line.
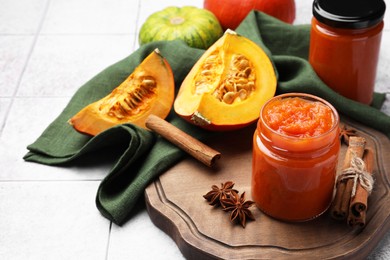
142	155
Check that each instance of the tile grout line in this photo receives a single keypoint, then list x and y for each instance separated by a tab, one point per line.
134	45
108	240
136	26
32	47
50	180
70	34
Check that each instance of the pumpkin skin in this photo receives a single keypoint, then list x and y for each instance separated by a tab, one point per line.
149	89
199	28
231	13
228	85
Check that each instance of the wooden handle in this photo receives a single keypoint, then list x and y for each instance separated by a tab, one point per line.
192	146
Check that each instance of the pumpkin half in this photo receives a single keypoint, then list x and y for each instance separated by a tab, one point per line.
148	90
228	85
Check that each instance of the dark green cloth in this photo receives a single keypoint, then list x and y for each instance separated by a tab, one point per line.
142	156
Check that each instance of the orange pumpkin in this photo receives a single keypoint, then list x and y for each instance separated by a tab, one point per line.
148	90
228	85
231	13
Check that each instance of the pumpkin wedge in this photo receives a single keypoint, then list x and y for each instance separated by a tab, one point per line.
228	85
148	90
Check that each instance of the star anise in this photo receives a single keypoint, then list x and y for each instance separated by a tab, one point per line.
345	133
215	196
239	208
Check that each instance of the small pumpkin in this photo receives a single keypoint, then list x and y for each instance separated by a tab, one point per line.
149	89
231	13
199	28
228	85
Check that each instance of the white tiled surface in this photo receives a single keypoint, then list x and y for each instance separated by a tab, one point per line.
48	48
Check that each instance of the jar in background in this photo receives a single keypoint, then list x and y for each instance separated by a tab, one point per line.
345	41
295	153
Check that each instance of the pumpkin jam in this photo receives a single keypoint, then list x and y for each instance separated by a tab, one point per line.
295	153
345	45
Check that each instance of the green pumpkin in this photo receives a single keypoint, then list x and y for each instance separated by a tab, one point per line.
198	27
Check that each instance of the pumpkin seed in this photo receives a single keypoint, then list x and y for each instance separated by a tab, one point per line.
242	94
243	64
230	86
206	73
247	72
148	83
229	97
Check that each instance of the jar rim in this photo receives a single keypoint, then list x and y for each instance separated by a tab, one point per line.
307	97
349	14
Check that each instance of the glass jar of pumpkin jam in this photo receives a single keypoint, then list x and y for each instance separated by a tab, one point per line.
295	154
345	42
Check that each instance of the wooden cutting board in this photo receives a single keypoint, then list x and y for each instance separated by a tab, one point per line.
176	205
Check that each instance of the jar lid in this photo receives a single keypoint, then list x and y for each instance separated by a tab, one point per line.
351	14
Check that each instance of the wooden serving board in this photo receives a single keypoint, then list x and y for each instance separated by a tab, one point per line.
176	205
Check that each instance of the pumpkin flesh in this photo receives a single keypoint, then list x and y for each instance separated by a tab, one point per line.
227	86
149	89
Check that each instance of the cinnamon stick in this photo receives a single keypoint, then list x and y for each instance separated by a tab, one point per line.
357	220
192	146
336	211
358	205
344	187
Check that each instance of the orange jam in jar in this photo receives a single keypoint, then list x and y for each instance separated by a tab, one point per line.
345	42
295	153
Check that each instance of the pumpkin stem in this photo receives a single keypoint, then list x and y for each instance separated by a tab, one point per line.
198	119
177	20
230	31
